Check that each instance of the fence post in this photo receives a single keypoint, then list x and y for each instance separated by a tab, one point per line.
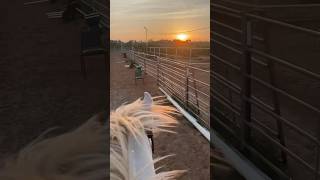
158	70
187	85
246	81
195	92
145	66
187	77
134	56
275	97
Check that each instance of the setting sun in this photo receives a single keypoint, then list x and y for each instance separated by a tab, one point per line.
182	37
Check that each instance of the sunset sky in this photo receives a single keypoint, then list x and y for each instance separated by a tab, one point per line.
164	19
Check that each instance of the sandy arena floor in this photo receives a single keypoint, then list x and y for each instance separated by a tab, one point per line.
191	149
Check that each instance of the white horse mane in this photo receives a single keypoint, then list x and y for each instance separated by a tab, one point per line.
81	154
130	122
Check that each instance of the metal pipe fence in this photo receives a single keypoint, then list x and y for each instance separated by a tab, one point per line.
273	6
97	7
183	73
245	114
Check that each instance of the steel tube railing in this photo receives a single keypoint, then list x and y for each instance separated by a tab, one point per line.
271	6
175	76
243	93
264	108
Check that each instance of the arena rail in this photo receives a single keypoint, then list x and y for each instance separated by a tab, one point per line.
183	73
249	54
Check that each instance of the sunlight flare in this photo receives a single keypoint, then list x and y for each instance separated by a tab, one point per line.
182	37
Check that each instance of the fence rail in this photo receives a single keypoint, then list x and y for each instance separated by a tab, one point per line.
238	106
183	73
97	7
272	6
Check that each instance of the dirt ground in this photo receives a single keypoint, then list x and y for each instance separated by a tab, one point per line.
40	80
191	150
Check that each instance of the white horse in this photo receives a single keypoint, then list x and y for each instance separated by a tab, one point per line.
82	155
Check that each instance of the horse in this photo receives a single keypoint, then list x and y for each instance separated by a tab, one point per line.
81	154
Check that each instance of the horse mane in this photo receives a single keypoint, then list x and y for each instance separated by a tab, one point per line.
81	154
133	120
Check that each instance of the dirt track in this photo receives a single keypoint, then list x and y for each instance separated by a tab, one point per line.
191	149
